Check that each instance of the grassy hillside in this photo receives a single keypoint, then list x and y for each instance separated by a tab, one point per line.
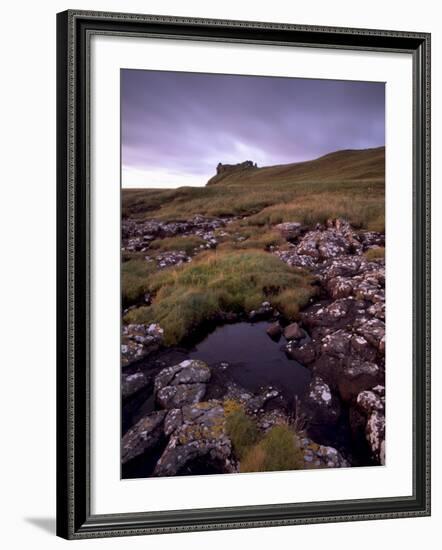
240	274
345	183
346	165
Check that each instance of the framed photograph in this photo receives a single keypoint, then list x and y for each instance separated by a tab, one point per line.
243	274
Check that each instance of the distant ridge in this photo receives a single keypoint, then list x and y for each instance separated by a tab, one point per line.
343	165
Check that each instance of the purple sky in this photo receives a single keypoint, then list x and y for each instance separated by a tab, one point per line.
176	127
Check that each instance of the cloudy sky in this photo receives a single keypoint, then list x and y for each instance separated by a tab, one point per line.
176	127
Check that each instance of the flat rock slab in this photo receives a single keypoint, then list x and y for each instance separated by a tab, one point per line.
172	397
190	371
144	435
182	384
132	383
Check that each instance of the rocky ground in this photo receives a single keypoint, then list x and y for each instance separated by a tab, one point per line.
346	329
189	425
340	336
138	235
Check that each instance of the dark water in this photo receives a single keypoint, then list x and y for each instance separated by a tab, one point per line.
255	360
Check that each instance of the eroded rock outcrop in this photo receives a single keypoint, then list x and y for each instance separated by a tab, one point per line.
319	405
143	436
346	349
320	456
137	235
139	340
372	405
182	384
196	432
132	383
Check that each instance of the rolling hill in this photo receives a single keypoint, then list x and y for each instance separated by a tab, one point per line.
342	165
347	183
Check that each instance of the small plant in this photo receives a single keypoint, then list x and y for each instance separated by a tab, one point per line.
242	431
277	451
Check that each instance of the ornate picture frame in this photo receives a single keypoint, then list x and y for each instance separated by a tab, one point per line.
74	517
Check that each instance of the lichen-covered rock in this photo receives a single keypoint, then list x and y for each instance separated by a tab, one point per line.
139	340
357	376
289	230
257	402
319	405
171	397
132	383
337	343
373	331
320	456
372	405
182	384
375	431
198	434
173	420
303	352
369	401
145	435
190	371
170	258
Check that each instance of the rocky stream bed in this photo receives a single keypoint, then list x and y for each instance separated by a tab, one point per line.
329	367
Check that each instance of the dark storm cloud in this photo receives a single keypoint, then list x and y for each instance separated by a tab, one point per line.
183	124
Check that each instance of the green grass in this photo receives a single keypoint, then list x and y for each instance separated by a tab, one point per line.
135	280
242	431
346	184
186	243
241	274
241	236
362	207
375	253
216	282
362	202
277	451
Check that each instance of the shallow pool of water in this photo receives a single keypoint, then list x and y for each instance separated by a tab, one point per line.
255	359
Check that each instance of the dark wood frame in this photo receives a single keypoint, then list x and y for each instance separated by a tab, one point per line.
74	519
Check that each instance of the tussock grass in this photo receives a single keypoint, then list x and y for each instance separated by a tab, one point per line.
242	431
240	275
135	280
259	237
277	451
375	253
365	210
186	243
311	201
220	282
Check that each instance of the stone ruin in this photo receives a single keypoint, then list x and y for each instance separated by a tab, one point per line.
226	169
223	168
